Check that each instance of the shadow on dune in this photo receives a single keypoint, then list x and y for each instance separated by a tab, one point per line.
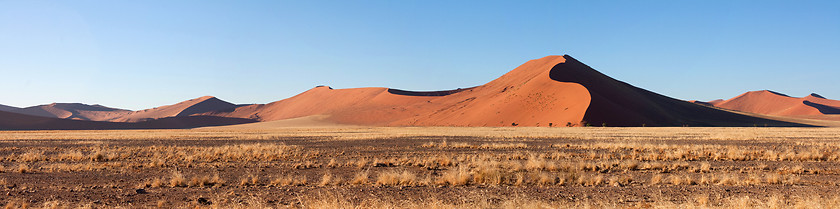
615	103
824	109
427	93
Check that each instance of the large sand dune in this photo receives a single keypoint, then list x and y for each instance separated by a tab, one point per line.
551	91
525	96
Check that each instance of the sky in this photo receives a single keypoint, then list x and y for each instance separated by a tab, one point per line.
143	54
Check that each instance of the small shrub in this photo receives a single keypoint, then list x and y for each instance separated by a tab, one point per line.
24	168
177	180
394	178
361	178
456	177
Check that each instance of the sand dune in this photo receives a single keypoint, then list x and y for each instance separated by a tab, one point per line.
551	91
8	108
79	111
185	108
76	111
525	96
774	103
16	121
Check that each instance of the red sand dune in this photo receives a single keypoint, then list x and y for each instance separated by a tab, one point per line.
554	90
16	121
185	108
773	103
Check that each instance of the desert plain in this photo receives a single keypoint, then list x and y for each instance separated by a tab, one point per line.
318	166
524	140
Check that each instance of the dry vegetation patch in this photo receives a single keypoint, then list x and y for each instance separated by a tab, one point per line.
423	167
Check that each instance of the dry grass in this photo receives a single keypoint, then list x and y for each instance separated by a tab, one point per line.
289	180
24	168
361	178
398	178
329	179
459	176
250	180
685	161
177	180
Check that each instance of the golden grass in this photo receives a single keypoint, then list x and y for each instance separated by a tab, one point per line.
24	168
693	158
398	178
289	180
361	178
250	180
177	179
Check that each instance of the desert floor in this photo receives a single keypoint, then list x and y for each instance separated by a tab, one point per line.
442	167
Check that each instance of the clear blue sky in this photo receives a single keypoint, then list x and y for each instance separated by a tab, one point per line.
141	54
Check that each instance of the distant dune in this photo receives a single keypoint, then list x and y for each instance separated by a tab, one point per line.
16	121
76	111
185	108
551	91
79	111
778	104
8	108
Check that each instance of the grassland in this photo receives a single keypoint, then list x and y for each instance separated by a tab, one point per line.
358	167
